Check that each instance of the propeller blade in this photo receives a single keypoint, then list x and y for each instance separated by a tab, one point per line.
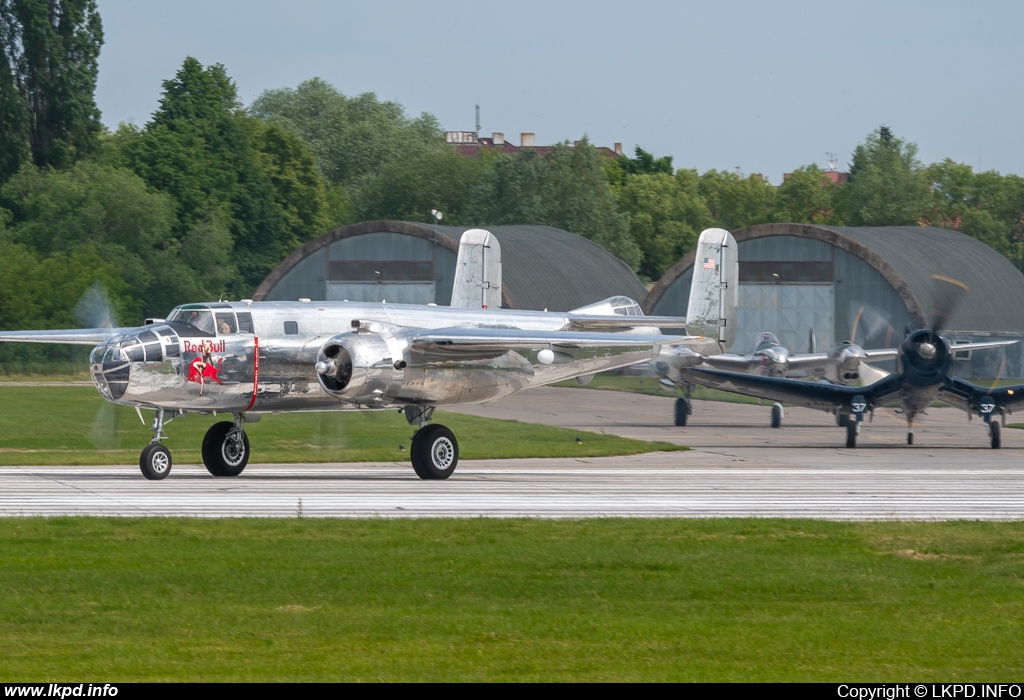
94	309
948	295
869	374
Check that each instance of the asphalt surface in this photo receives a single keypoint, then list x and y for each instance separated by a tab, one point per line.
739	467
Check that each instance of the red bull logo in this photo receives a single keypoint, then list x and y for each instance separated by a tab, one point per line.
218	346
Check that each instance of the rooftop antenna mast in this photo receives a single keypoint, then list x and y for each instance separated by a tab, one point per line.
478	119
831	167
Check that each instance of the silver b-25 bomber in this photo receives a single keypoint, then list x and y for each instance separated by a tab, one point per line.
246	358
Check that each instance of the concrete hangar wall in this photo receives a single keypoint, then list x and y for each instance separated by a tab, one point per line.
865	284
404	262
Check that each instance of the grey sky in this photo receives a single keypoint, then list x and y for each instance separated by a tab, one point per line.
763	86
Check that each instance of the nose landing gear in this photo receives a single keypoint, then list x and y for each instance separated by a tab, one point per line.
155	461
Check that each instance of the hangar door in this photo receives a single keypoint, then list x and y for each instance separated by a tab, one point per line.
787	299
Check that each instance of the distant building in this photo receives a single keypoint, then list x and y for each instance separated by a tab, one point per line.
835	176
471	144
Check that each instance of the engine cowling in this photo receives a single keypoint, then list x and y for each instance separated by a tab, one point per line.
925	357
362	368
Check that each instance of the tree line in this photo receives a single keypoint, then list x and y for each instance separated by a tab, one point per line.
206	197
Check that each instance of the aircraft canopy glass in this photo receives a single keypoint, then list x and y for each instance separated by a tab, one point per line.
199	318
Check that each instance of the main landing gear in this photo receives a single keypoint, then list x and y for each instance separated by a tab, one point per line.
435	451
683	410
225	448
777	414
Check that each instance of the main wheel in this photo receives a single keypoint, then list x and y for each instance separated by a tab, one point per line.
777	415
155	461
435	452
225	450
910	438
996	438
683	411
851	434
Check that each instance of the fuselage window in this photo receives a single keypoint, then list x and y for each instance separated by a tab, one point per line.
226	324
132	350
291	327
245	322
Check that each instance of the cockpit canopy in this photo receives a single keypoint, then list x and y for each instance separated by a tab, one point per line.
199	317
207	321
765	340
620	306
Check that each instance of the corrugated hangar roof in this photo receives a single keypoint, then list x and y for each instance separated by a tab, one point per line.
993	301
542	266
908	257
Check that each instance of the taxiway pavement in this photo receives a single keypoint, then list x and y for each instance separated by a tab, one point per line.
739	467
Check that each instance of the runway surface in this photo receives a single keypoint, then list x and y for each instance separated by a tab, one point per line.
739	467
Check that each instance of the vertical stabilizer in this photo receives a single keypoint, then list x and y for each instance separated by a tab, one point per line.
714	291
477	282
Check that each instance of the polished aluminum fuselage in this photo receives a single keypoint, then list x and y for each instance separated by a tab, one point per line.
273	367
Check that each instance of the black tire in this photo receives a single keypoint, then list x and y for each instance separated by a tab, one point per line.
910	438
776	416
223	454
435	452
851	434
997	440
683	411
155	462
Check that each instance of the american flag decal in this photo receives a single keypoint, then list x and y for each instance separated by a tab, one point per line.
709	263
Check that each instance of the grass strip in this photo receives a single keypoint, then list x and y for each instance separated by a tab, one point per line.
75	426
500	600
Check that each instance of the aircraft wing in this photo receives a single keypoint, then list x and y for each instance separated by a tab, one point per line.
881	354
458	340
84	336
731	362
981	346
613	322
965	395
807	360
820	395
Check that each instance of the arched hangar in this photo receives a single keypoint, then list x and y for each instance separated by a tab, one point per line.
411	263
866	284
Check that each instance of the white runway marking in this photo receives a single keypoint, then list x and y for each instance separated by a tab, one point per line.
508	491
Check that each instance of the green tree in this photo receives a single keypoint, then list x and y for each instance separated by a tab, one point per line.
736	201
47	80
887	185
566	188
408	189
352	137
110	213
666	215
807	196
618	170
227	173
986	206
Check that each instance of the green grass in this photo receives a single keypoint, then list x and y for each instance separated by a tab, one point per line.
653	387
441	600
73	425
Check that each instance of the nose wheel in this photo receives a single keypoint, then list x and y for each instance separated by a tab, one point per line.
155	462
435	452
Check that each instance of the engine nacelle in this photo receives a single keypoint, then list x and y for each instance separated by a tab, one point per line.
925	357
364	368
